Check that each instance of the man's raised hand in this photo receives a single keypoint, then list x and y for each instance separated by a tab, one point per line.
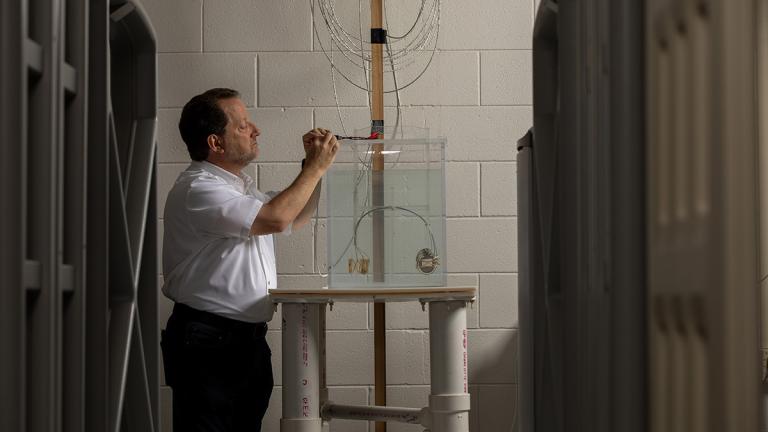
321	150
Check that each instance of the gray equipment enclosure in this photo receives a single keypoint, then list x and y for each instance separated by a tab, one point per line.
78	270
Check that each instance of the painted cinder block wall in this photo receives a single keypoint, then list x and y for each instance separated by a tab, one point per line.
477	93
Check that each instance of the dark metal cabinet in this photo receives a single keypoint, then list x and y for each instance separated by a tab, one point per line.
78	278
581	222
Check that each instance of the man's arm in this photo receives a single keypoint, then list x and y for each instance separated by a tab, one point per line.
306	213
282	210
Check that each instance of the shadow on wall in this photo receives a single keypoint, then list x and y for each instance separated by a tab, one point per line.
494	360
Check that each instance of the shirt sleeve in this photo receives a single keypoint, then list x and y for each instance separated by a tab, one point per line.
217	209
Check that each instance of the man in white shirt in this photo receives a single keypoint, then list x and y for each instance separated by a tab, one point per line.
219	262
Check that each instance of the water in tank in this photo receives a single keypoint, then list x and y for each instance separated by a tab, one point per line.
386	212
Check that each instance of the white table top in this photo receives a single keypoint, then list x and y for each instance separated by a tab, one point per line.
326	295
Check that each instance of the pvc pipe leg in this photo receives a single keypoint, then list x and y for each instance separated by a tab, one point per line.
449	401
301	368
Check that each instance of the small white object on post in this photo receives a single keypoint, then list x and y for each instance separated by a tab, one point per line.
449	401
301	368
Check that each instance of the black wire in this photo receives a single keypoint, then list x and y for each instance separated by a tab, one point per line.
339	137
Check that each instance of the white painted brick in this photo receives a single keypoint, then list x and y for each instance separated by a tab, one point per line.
177	24
357	120
252	171
407	357
479	138
170	146
166	177
302	79
482	245
499	189
474	397
247	25
407	396
166	409
451	79
480	133
350	18
276	323
275	341
294	252
498	301
352	119
442	78
399	16
493	356
403	316
506	77
348	396
486	24
347	316
463	188
281	132
299	281
182	76
350	357
467	280
409	315
412	396
497	407
277	176
417	396
321	245
271	422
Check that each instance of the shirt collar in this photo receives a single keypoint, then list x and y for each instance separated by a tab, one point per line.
243	180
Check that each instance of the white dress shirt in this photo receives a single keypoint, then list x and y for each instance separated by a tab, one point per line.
210	260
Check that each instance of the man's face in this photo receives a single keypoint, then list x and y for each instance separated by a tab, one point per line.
240	146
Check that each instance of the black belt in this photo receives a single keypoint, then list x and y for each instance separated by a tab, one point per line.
258	329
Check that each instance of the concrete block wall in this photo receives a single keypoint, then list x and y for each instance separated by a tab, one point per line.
477	93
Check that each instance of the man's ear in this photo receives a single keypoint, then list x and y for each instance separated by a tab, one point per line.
214	144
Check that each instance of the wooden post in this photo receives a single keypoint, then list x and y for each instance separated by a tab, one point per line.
377	186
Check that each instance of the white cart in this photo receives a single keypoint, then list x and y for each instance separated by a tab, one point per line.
306	407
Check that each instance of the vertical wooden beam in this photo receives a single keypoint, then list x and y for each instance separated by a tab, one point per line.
377	65
377	179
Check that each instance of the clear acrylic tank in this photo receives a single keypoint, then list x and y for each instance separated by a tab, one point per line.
409	211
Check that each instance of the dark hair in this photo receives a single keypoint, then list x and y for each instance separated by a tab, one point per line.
202	117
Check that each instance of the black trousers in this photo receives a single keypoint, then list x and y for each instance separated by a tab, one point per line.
220	371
